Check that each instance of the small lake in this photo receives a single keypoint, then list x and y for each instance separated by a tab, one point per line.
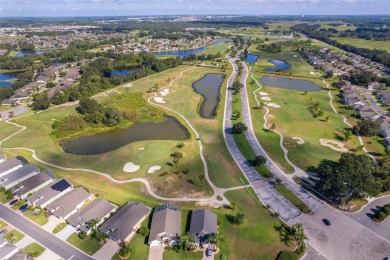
251	58
279	65
5	79
28	53
169	129
209	88
123	72
293	84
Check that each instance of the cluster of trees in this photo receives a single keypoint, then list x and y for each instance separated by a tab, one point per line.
5	93
368	33
312	31
367	128
271	48
383	213
353	177
202	57
295	235
316	110
364	78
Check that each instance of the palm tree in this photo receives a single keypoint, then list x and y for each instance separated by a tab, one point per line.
297	234
187	241
215	238
93	224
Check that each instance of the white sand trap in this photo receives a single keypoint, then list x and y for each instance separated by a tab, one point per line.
263	94
312	73
154	168
266	98
141	148
130	167
295	56
334	145
159	100
273	105
164	92
298	139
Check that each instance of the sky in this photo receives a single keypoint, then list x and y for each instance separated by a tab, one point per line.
188	7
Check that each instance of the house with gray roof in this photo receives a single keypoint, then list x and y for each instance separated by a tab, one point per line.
69	203
11	179
123	225
47	195
35	183
7	249
384	97
366	112
9	165
166	225
203	224
99	209
20	255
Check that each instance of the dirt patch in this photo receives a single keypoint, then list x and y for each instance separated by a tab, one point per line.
334	145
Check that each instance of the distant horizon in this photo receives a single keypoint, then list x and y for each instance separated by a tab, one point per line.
103	8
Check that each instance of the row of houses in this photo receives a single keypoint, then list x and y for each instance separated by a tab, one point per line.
76	206
11	252
351	97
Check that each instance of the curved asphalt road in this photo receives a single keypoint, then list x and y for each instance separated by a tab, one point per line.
48	240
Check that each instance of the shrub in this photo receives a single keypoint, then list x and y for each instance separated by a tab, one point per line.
381	215
82	235
124	252
181	145
386	209
287	255
163	174
277	180
143	231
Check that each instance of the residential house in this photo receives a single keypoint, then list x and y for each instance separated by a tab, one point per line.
122	226
9	165
7	249
366	112
375	86
99	209
203	224
68	204
20	255
11	179
33	184
47	195
384	97
166	223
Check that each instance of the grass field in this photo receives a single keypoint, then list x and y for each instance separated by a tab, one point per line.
40	219
34	249
363	43
88	245
14	236
2	224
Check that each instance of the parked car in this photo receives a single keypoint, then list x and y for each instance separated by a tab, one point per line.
25	206
326	222
209	252
13	202
2	232
24	209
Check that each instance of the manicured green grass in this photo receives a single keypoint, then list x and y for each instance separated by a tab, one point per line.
88	245
290	196
138	245
6	130
3	197
34	249
173	255
59	227
40	218
214	49
249	154
363	43
14	236
2	224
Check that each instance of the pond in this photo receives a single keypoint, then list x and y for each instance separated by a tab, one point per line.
123	72
6	79
209	88
279	65
28	53
169	129
251	58
293	84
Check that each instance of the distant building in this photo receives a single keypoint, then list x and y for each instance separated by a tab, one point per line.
33	184
99	209
123	225
9	165
47	195
11	179
203	224
166	225
68	204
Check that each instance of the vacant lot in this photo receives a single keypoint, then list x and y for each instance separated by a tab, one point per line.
362	43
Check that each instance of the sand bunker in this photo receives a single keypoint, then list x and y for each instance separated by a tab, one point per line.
334	145
130	167
295	56
159	100
312	73
263	94
141	148
164	92
298	139
266	98
273	105
154	168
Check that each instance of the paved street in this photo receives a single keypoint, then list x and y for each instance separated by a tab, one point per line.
373	104
40	235
344	238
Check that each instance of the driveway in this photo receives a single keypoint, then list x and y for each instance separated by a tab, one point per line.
364	218
25	241
52	223
47	254
344	238
156	253
66	232
19	110
107	251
